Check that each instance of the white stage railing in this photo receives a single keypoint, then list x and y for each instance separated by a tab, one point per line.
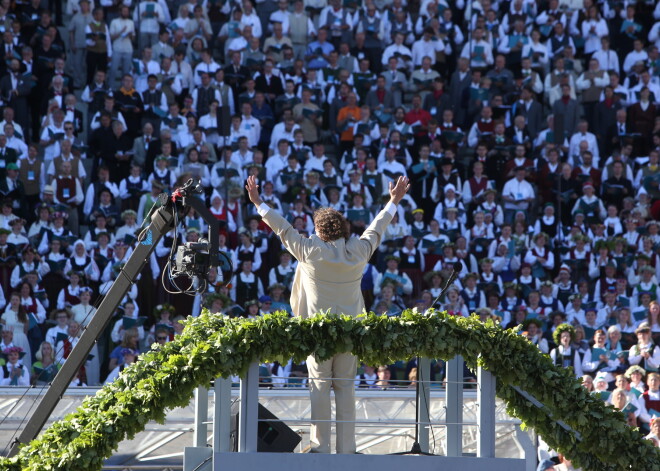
476	434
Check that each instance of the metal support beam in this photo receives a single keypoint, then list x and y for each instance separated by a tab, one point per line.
222	416
161	222
454	406
200	432
249	417
486	414
423	418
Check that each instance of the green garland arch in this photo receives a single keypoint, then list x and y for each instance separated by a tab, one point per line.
213	346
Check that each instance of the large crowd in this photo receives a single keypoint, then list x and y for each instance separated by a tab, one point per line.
529	130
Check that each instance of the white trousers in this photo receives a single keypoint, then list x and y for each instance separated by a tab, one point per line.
342	366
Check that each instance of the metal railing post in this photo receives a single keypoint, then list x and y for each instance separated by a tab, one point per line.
222	415
423	417
249	416
200	434
454	406
486	414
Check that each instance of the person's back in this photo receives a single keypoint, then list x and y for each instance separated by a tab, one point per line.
327	268
328	276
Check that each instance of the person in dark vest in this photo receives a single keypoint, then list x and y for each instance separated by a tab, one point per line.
472	296
565	355
68	193
282	273
559	41
155	102
204	95
645	353
98	43
338	21
129	355
246	285
651	396
129	102
95	92
368	377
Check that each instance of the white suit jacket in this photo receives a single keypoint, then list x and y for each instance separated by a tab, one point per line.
329	274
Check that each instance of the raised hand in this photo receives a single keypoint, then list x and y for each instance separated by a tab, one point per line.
253	190
399	190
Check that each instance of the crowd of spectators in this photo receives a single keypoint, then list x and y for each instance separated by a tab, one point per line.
529	130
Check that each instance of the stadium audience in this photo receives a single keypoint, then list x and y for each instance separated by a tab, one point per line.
530	130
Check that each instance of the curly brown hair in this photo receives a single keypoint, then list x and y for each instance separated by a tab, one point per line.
330	225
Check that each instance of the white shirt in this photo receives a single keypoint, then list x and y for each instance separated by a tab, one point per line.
280	17
123	43
574	146
252	128
211	68
518	190
423	48
254	21
632	57
470	47
592	39
608	60
148	24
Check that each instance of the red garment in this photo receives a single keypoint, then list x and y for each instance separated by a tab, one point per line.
566	99
380	95
650	403
420	115
67	348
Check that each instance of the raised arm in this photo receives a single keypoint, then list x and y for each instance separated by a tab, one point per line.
370	239
290	237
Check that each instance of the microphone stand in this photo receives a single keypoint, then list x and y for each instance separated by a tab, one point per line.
416	448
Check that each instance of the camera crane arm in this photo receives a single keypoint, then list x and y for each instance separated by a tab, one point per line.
162	221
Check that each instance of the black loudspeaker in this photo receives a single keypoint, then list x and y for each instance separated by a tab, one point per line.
273	435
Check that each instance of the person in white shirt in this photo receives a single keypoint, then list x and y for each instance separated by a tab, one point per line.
391	168
207	64
182	69
250	18
427	46
315	161
15	143
606	57
478	51
122	31
280	16
645	81
594	28
400	51
148	15
634	56
143	68
278	161
283	130
517	194
8	115
583	134
51	136
16	374
250	125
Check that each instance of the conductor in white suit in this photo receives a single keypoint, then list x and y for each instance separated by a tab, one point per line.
328	276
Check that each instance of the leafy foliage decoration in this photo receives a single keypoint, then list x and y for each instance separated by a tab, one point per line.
212	346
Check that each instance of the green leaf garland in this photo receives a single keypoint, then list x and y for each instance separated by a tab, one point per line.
211	346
